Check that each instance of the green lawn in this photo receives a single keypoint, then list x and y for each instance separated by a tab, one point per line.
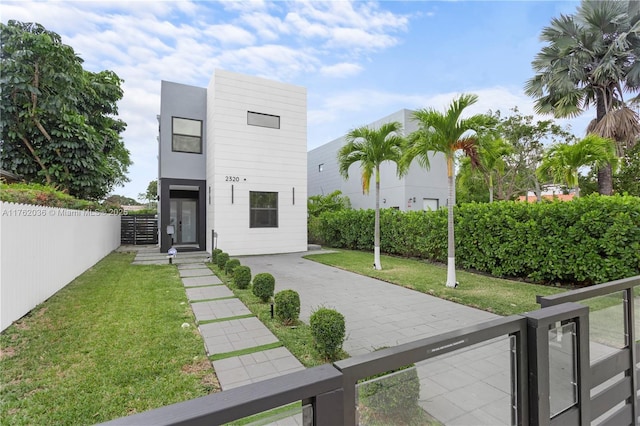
491	294
109	344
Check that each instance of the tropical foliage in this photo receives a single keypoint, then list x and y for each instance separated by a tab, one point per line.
370	148
58	122
591	59
590	240
562	162
448	133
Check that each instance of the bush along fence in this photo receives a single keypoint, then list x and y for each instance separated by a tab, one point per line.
586	241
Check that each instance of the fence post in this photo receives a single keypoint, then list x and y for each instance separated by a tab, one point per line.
630	331
539	323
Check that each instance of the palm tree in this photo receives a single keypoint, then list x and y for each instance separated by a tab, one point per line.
491	153
591	59
447	133
562	161
372	147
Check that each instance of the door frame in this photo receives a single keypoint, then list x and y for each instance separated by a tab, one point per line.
191	187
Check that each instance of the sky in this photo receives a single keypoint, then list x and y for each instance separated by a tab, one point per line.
359	60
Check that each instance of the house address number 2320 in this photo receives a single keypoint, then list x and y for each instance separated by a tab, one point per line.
232	179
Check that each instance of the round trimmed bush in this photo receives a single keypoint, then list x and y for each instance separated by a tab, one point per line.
222	259
214	254
391	396
287	307
230	266
242	277
328	331
263	285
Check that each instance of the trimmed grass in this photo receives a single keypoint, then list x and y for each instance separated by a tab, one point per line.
240	352
109	344
502	297
296	338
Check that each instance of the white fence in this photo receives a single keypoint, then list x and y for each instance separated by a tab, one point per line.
43	249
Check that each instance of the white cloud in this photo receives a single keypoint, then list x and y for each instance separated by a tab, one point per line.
228	34
341	70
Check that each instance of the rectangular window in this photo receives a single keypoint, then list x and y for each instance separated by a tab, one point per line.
186	135
263	120
320	167
263	209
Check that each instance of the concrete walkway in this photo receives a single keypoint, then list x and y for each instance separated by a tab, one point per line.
468	387
226	324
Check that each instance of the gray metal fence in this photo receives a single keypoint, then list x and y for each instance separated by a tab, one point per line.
564	364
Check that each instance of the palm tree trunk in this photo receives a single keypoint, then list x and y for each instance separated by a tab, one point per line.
376	238
490	188
605	173
451	249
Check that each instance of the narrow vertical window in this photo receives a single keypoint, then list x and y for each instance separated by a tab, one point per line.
320	167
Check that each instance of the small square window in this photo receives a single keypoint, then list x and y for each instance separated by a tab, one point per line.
186	135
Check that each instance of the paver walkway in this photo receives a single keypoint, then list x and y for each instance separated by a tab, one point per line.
226	324
469	387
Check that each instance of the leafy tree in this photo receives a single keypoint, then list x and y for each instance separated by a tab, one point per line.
563	161
370	148
448	133
151	195
58	121
492	152
120	200
471	186
591	59
526	139
628	177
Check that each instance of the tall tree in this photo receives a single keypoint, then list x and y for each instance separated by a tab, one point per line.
526	138
562	162
58	122
591	59
371	148
448	133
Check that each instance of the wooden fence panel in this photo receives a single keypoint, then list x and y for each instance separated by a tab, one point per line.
140	229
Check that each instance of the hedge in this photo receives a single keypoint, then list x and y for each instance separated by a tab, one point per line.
590	240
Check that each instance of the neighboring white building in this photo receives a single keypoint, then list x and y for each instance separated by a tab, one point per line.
419	189
232	161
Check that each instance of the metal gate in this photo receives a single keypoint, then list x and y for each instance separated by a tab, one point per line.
139	229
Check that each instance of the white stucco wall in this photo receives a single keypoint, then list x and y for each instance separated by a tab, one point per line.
243	158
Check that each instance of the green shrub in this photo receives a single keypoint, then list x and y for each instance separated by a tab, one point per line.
230	265
287	306
328	331
264	285
590	240
222	259
214	254
242	277
391	396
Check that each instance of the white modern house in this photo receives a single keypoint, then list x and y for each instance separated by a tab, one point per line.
232	166
419	189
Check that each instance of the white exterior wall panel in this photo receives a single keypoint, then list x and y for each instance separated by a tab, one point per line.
262	159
